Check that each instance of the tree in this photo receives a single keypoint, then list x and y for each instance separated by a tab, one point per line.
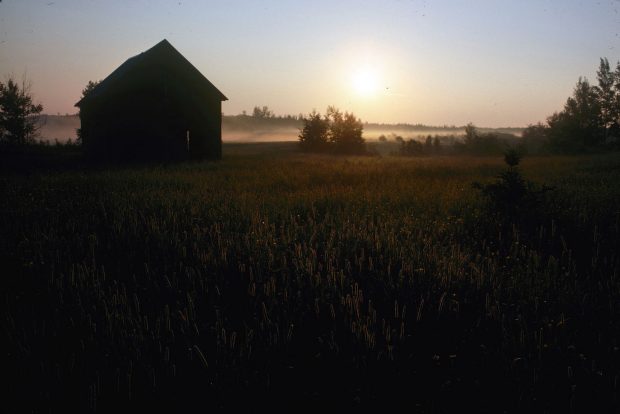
471	133
589	119
480	143
345	132
579	125
262	113
535	132
428	144
335	132
87	90
617	94
18	114
606	93
314	134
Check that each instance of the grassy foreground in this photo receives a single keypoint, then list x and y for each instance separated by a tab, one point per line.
292	282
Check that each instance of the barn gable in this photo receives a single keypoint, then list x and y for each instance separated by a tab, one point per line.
156	105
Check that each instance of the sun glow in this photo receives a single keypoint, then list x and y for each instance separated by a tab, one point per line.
365	82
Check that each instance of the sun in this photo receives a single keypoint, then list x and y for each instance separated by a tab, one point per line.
365	82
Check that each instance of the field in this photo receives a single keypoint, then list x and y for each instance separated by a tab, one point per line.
293	282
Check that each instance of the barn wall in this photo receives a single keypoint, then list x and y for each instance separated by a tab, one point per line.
148	126
209	127
147	113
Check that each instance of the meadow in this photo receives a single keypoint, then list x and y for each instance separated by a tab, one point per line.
279	280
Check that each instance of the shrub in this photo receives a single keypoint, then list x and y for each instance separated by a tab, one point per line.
511	195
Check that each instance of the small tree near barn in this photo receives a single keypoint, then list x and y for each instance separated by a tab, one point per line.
18	114
87	89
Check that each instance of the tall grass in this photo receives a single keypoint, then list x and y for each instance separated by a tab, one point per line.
294	281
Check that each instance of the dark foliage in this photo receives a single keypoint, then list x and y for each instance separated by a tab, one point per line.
87	89
512	157
476	143
314	134
262	112
534	139
578	127
18	114
589	121
336	132
345	132
512	197
412	147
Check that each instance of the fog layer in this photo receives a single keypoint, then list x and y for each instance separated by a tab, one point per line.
236	128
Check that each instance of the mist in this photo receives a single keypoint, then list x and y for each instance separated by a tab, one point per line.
61	128
237	128
274	134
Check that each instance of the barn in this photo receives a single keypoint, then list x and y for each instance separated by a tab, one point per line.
155	106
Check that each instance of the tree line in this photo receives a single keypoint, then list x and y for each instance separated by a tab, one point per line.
590	119
589	122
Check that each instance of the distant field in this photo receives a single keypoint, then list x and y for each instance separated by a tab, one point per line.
278	280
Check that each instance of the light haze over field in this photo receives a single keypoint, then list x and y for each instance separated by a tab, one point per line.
491	62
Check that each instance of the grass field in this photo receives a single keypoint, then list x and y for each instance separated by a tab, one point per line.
279	280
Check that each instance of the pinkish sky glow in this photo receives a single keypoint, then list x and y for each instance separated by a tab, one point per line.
491	62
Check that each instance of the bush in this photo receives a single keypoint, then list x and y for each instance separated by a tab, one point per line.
511	196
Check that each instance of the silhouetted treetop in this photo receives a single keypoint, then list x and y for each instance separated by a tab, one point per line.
590	118
335	132
262	112
18	113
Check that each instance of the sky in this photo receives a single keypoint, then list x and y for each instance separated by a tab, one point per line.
496	63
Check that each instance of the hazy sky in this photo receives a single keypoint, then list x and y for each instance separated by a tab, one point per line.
491	62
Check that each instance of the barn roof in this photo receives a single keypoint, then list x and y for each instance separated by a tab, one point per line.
161	51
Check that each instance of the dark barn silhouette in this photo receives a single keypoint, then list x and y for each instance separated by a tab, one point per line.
155	106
